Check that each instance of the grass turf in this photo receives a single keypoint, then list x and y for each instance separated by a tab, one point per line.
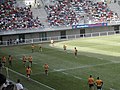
98	56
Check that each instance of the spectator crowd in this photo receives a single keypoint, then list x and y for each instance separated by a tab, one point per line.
14	17
60	13
69	12
8	85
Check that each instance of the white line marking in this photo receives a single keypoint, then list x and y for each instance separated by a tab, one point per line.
100	58
65	73
77	77
86	66
72	75
32	79
112	89
34	63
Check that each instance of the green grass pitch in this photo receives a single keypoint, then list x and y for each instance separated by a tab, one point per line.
99	56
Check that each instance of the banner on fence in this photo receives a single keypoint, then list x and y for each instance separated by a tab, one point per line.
89	25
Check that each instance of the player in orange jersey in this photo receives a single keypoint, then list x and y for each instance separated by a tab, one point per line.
24	60
33	47
10	59
64	47
91	82
40	48
46	67
99	84
4	60
28	72
75	51
30	60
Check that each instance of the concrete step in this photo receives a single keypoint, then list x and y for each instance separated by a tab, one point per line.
115	7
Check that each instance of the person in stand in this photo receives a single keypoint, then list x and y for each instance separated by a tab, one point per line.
91	82
30	60
5	85
11	86
2	80
75	51
38	5
10	59
21	40
99	83
35	1
19	86
46	67
30	5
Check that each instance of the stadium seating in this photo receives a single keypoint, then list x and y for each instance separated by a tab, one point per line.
60	13
73	12
12	17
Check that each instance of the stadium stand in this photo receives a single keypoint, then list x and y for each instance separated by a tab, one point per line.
59	13
13	17
73	12
6	84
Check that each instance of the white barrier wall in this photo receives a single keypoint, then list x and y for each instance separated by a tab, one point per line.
32	35
53	33
58	33
70	32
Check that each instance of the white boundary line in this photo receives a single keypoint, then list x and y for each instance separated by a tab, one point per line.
112	89
32	79
72	75
86	66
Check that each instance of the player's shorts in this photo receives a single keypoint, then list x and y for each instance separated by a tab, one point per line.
28	75
30	61
75	54
46	70
3	62
10	61
99	87
91	85
24	61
